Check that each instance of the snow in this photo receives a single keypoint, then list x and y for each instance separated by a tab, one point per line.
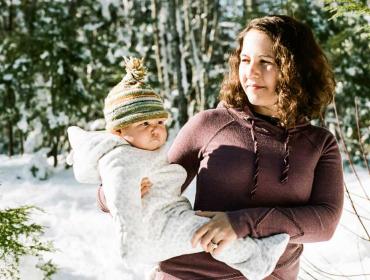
8	77
34	139
85	239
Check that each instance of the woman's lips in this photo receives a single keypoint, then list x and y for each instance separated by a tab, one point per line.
255	86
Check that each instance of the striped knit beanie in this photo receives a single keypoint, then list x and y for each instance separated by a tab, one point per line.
131	100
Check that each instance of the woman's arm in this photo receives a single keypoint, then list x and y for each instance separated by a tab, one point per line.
185	150
313	222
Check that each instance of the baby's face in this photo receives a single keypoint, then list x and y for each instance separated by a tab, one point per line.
148	135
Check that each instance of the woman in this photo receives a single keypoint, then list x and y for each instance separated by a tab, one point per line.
261	167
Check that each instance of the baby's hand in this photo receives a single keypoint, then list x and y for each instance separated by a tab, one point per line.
145	186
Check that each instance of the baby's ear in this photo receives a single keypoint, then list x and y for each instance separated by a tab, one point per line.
117	132
128	138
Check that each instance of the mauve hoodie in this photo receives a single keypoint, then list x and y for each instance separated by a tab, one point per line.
269	180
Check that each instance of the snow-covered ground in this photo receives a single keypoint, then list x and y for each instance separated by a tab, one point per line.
85	242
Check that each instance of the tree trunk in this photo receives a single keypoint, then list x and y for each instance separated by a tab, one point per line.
11	140
21	139
182	102
157	44
10	103
196	63
163	48
184	47
55	150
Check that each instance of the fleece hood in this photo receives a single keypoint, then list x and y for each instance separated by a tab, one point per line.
88	147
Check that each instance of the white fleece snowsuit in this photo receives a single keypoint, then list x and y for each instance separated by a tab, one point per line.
160	225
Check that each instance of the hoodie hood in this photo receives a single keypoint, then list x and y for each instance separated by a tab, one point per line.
88	147
262	125
256	124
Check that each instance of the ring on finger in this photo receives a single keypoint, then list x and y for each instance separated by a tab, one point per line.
213	244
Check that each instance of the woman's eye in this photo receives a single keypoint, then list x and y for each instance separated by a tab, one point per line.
267	62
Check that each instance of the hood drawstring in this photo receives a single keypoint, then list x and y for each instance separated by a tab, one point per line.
285	169
256	161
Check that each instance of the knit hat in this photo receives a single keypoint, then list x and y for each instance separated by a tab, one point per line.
131	100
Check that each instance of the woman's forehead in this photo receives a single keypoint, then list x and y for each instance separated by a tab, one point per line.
257	43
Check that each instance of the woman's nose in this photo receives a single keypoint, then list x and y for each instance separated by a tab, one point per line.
253	70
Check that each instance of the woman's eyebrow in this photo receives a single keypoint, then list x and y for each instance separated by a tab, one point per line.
266	55
261	55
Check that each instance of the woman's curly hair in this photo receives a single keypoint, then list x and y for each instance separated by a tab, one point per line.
305	83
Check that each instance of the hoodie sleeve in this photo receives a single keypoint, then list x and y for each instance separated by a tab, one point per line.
313	222
185	149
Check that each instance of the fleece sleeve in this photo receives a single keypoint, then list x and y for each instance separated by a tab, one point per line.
316	221
185	150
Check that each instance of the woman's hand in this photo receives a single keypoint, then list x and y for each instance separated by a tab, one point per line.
214	235
145	186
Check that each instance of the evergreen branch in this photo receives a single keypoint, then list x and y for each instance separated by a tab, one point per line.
343	7
19	237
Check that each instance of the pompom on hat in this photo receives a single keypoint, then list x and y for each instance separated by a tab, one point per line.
131	100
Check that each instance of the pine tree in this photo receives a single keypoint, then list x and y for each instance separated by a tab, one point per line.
19	237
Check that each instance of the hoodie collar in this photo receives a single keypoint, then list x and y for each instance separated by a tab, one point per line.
262	125
248	118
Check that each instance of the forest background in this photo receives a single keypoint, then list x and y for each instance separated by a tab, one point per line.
59	59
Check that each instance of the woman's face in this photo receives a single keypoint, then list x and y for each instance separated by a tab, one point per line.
258	72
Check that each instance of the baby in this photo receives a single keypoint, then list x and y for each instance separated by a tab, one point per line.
160	225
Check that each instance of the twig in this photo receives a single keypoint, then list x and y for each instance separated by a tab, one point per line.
357	195
337	275
346	150
359	136
316	269
360	258
353	213
309	274
357	215
354	233
362	208
336	268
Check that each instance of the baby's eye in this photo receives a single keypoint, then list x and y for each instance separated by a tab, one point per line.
145	124
160	122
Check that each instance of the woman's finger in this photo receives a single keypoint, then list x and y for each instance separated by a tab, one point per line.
220	246
209	214
210	248
207	238
199	234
